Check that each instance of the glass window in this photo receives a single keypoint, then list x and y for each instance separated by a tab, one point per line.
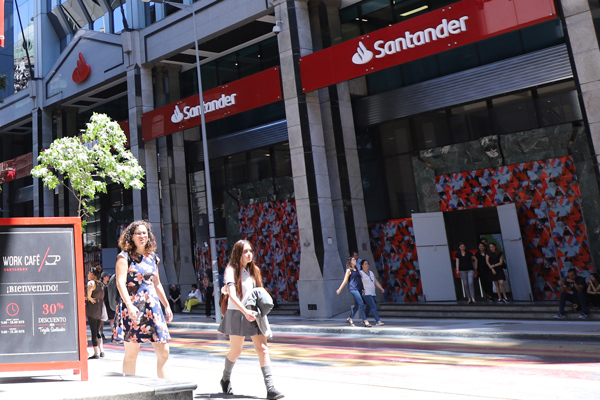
376	14
23	43
420	70
283	161
395	137
543	35
458	59
269	53
259	166
500	47
227	69
236	170
249	60
470	121
514	113
410	8
558	104
431	129
401	186
382	81
350	23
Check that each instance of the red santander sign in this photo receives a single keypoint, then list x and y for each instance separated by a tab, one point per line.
244	94
461	23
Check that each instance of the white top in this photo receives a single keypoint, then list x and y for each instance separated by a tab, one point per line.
368	282
247	285
195	293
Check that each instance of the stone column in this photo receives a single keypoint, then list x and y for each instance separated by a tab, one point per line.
140	99
174	201
582	23
43	198
321	270
342	154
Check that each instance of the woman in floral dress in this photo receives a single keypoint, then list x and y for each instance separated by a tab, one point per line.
139	317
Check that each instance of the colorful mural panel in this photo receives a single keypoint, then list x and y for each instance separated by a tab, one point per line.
272	228
547	196
395	255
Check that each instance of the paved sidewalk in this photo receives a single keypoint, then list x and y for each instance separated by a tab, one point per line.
560	330
105	383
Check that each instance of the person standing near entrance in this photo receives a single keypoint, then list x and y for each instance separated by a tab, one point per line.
495	261
93	308
464	268
484	272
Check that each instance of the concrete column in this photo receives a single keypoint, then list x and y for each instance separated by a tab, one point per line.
43	198
321	269
174	200
582	22
140	99
342	155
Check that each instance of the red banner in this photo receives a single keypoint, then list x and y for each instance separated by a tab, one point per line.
242	95
1	23
443	29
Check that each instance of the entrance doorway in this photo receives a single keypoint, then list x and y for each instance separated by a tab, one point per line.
438	234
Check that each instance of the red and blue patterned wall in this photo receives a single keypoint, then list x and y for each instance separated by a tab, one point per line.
547	196
272	228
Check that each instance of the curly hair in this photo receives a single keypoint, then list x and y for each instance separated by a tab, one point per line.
126	239
236	262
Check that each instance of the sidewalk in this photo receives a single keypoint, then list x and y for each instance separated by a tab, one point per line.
105	383
554	330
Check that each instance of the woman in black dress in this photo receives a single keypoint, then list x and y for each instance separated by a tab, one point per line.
495	260
484	272
93	309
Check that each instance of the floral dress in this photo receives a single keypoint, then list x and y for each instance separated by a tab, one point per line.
152	326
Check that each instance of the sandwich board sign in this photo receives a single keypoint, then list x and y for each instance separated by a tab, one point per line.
42	295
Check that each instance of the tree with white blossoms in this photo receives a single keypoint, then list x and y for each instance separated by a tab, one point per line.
84	165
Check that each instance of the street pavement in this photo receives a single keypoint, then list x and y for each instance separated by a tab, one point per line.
311	361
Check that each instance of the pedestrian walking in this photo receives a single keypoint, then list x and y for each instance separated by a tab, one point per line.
352	277
370	283
241	277
139	317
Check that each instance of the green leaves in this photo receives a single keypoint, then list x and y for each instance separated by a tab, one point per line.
85	165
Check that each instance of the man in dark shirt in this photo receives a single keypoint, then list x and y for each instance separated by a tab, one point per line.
572	289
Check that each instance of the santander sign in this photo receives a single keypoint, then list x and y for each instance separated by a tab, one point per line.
245	94
410	40
439	30
193	112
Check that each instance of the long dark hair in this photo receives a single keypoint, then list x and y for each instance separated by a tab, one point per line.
236	262
126	238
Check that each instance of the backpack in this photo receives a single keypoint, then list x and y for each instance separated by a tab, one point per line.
113	292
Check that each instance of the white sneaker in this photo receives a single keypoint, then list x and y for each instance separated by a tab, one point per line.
186	310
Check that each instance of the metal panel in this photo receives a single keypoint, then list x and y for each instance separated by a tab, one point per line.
518	73
246	140
514	253
435	266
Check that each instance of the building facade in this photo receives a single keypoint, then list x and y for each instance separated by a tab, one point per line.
393	128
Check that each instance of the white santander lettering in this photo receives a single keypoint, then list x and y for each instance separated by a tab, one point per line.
210	106
412	40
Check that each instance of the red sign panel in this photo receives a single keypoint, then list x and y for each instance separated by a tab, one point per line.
446	28
242	95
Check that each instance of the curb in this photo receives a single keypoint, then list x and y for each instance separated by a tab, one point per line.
407	332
